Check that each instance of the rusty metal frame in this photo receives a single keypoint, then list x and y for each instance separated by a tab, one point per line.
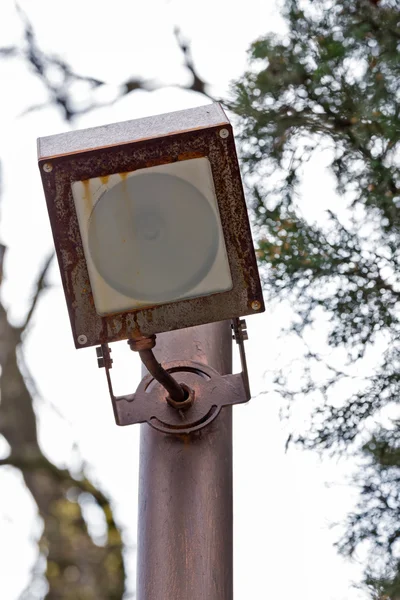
67	158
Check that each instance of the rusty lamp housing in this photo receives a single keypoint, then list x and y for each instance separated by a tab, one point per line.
150	225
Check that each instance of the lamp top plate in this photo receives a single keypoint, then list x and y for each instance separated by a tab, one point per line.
115	134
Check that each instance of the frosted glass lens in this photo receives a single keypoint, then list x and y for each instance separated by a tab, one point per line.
153	237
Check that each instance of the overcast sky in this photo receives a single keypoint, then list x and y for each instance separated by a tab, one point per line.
283	505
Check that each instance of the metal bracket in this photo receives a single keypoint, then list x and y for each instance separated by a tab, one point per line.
240	335
149	403
210	392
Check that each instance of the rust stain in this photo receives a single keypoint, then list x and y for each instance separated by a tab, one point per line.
104	179
124	175
162	160
186	438
124	325
136	327
86	187
190	155
87	198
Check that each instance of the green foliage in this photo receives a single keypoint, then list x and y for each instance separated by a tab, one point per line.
332	83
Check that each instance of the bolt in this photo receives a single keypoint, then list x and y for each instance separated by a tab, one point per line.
224	133
82	339
256	305
48	167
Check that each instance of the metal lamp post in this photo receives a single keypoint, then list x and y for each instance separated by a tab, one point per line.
185	545
152	236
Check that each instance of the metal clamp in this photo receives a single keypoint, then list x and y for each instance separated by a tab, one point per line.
208	393
240	335
211	390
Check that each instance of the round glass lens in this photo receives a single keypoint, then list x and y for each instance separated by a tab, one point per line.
153	237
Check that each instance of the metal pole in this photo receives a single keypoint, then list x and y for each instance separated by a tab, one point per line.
185	538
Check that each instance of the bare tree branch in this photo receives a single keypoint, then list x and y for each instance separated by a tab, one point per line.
40	286
32	461
8	51
198	84
66	542
61	93
40	62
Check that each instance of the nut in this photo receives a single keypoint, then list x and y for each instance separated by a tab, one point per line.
224	133
47	167
186	403
256	305
82	339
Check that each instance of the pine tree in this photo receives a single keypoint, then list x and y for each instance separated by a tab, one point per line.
332	81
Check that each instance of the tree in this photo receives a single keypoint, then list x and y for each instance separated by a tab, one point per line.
77	567
332	82
74	565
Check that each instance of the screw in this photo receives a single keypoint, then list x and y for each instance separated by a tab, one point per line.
48	167
82	339
256	305
224	133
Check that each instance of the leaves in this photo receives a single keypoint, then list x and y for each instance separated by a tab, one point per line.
331	83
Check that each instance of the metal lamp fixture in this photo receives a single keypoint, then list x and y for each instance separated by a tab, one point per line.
151	231
150	225
152	235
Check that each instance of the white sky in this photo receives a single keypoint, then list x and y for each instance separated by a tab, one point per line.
283	508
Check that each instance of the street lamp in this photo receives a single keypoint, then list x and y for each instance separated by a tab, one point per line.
150	225
152	235
151	231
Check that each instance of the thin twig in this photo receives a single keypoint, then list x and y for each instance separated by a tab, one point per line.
40	286
198	84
